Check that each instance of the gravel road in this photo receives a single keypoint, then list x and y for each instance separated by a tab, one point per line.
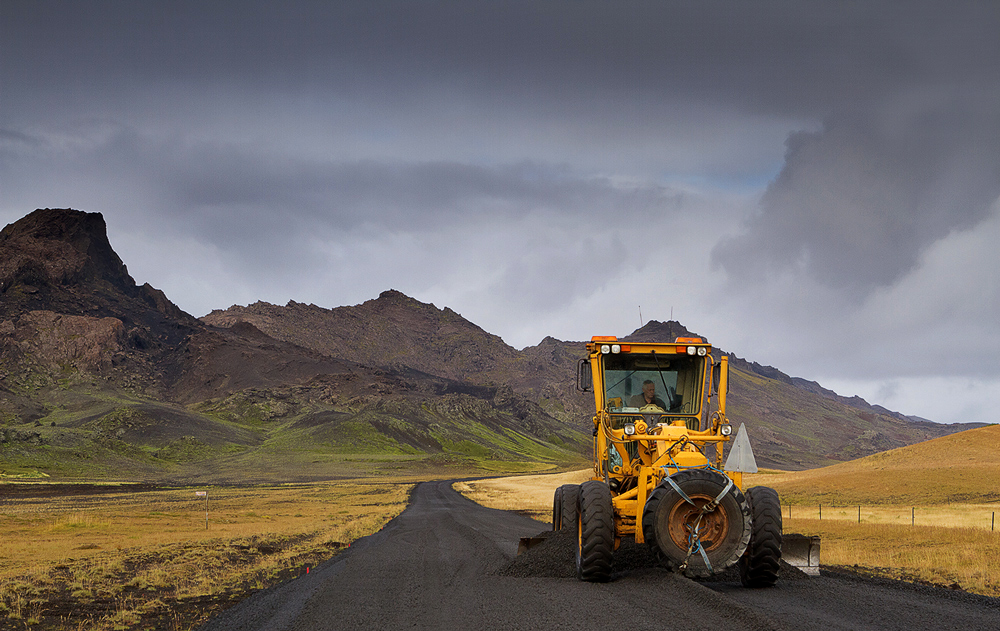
448	563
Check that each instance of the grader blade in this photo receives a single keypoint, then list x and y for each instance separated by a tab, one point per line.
528	542
802	552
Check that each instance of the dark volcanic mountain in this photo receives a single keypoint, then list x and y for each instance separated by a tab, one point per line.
60	260
97	370
794	423
392	330
102	377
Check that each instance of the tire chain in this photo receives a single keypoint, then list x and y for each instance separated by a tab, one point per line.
649	531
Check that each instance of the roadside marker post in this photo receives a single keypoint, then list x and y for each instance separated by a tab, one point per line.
205	494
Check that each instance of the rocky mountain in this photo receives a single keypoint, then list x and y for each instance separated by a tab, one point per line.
393	330
101	376
794	423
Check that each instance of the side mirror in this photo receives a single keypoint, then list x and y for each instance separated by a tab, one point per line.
716	377
584	376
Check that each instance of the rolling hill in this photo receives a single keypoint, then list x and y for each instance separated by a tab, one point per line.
961	467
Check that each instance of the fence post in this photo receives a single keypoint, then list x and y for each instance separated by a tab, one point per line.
993	521
821	512
859	513
913	515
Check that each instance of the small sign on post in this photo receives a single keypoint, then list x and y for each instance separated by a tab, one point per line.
205	494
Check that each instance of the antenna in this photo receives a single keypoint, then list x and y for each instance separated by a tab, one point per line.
671	313
640	316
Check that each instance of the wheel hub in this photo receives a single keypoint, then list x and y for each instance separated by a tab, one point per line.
684	519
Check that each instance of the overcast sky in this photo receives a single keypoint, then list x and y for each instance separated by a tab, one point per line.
811	185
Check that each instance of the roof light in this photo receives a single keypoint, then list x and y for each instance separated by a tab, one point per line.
689	340
604	338
605	349
702	351
692	350
616	348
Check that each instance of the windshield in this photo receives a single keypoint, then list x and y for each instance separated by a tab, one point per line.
671	383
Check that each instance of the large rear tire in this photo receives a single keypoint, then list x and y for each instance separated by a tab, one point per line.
668	522
595	532
568	506
760	563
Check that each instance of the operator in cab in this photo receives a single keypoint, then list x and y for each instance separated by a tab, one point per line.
648	396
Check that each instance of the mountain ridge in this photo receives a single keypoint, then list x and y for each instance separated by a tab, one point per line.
97	370
546	373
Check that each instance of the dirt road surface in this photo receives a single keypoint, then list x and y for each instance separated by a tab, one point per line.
448	563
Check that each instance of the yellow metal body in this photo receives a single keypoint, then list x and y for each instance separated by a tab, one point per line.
636	446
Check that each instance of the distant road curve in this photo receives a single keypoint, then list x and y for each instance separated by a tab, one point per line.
441	565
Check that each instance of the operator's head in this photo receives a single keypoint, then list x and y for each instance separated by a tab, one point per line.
648	390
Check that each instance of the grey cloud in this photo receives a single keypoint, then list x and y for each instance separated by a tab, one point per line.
581	56
231	194
856	203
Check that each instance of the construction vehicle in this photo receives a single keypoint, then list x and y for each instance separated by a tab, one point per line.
660	472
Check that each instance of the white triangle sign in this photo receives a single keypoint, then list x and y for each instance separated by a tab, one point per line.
741	455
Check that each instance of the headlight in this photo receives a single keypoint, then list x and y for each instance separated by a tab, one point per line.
702	351
726	430
605	349
692	350
615	348
629	429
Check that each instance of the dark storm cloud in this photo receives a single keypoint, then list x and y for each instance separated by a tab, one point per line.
769	56
857	203
225	192
593	77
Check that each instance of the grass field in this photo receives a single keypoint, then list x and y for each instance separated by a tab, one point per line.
960	468
138	560
956	557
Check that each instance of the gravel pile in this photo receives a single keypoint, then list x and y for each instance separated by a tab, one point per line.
555	557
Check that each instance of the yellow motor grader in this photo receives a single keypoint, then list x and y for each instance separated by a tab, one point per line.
660	474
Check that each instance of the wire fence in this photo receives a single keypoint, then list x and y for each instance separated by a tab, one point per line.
980	516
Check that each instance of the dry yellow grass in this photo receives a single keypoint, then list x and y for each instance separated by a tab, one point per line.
528	494
958	515
130	559
962	467
957	557
946	487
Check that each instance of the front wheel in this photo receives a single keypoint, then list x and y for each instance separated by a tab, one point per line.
697	522
595	532
759	564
